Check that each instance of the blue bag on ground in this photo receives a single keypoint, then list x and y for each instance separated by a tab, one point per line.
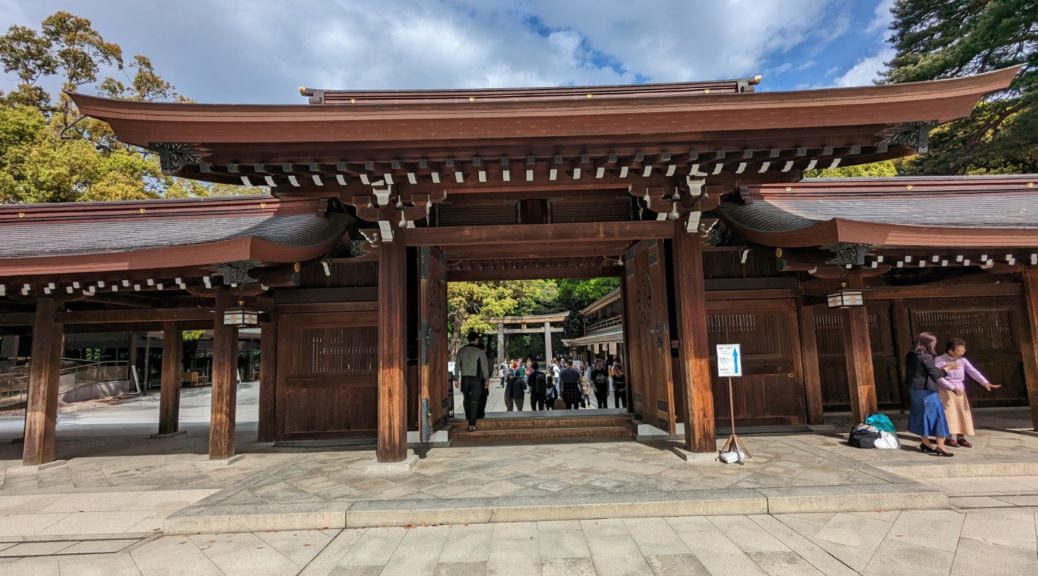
882	422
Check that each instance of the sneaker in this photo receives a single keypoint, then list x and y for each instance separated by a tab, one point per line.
472	428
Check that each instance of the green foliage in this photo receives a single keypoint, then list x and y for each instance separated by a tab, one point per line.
43	157
471	305
958	37
872	170
580	293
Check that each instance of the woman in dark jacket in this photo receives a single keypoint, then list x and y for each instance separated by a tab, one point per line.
926	417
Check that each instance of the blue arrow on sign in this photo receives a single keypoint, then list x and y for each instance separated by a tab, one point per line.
735	360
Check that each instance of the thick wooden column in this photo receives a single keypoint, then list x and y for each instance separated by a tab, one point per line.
857	350
392	350
809	356
1029	341
268	380
693	348
41	412
172	368
224	390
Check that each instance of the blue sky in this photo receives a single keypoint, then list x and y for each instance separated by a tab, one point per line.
261	51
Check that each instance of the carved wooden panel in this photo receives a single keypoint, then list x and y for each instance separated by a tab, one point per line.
327	375
650	367
432	335
771	390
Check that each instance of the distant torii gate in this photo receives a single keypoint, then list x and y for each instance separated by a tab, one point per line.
534	324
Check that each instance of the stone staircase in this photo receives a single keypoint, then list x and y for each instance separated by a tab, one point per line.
540	427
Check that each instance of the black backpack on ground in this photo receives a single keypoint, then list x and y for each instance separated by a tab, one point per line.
863	436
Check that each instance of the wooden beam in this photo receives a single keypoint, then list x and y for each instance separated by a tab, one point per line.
134	316
531	330
534	274
172	369
304	295
587	232
268	381
1029	340
392	349
812	373
17	319
693	348
857	349
41	413
224	389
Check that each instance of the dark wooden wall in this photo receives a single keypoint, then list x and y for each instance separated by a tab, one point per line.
771	390
991	327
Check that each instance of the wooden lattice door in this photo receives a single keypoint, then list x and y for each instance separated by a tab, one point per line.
648	327
434	389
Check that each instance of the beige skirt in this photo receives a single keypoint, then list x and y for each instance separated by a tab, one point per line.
957	411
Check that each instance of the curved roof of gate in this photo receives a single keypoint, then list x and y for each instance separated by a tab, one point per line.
964	211
414	137
100	236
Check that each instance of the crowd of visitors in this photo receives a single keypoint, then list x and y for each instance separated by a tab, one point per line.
561	385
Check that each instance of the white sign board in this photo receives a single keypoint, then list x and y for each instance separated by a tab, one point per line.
450	367
729	360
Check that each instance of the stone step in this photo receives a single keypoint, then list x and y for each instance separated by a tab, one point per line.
541	423
482	435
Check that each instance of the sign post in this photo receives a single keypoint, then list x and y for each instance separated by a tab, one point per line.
729	365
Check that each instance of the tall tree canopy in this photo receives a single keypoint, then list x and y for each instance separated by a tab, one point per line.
471	305
959	37
47	153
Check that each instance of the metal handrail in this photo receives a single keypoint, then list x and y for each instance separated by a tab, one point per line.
15	389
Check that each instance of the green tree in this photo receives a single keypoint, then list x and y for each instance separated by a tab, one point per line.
885	168
952	38
471	305
46	155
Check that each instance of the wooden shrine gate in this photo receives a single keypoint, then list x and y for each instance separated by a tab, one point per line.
433	387
650	368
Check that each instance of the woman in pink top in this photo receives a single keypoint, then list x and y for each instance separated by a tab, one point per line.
953	391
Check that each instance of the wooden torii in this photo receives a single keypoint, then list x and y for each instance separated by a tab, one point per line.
531	324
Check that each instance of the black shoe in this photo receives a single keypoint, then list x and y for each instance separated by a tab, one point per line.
945	453
926	449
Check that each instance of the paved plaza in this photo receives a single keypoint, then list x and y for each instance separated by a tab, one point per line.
804	504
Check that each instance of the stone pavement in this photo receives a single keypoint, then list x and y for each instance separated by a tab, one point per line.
116	502
912	543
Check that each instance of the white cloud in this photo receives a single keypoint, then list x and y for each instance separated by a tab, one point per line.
867	70
881	17
261	50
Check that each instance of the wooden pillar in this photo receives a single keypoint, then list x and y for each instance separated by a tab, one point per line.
1029	339
224	376
41	411
857	350
392	350
172	369
547	342
693	348
812	374
268	380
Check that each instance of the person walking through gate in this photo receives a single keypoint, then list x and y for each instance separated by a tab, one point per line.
600	381
538	383
926	417
953	391
571	390
473	369
515	393
619	384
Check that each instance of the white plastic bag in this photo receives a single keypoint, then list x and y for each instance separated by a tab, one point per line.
887	441
732	457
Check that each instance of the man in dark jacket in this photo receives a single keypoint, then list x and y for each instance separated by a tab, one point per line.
538	383
571	391
600	382
515	394
474	370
